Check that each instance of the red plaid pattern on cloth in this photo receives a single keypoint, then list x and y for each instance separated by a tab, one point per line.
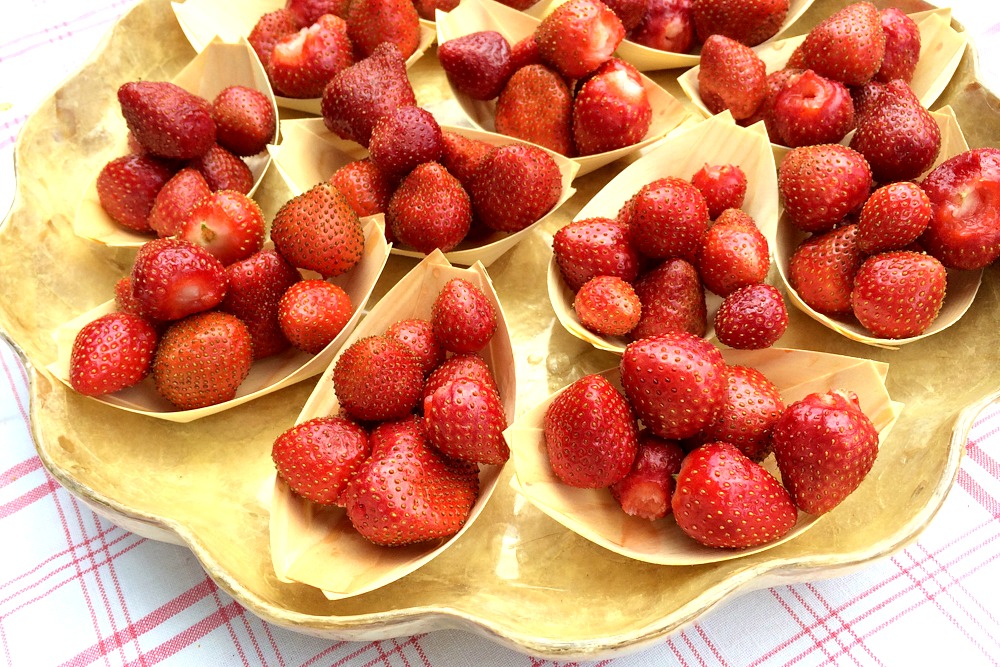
78	590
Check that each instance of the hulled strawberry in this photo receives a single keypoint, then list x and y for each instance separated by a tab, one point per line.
611	109
731	76
311	313
256	286
672	298
430	209
629	12
578	37
223	170
477	64
318	230
747	22
465	420
127	187
374	22
226	223
810	109
722	185
607	305
244	120
536	105
173	278
894	216
365	186
734	254
376	378
175	201
463	317
404	138
667	25
302	62
819	185
902	46
751	406
167	120
822	268
668	218
112	352
269	29
847	46
592	247
418	336
515	187
307	12
751	317
646	490
318	457
898	294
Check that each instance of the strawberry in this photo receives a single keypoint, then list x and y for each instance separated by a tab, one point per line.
734	254
751	317
897	135
245	120
462	156
819	185
591	436
365	186
902	46
226	223
579	36
672	299
202	360
611	109
124	301
127	187
359	95
302	62
629	12
847	46
463	317
408	493
731	76
749	23
457	366
749	410
964	230
223	171
894	216
402	139
256	285
524	53
173	278
668	218
607	305
269	29
318	457
592	247
898	294
427	9
430	209
646	489
821	269
515	187
536	105
811	109
725	500
311	313
774	83
175	201
477	64
167	120
319	231
722	185
307	12
418	337
465	420
111	352
825	446
674	381
667	25
376	378
374	22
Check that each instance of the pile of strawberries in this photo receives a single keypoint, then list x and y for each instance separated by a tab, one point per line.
419	411
687	437
646	271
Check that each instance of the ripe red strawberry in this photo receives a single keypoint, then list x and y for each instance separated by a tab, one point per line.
376	378
536	105
202	360
898	294
319	231
374	22
173	278
735	253
731	76
125	302
819	185
675	382
175	201
894	216
223	170
318	457
667	25
465	420
672	299
462	156
725	500
307	12
822	268
359	95
747	22
457	366
167	120
111	353
430	209
524	53
579	36
811	109
722	185
825	446
902	46
749	410
311	313
646	489
407	492
611	109
404	138
226	223
847	46
427	9
592	247
897	135
607	305
629	12
302	62
418	337
477	64
591	435
964	231
256	285
245	120
127	187
774	83
365	186
668	218
269	29
463	317
515	187
751	317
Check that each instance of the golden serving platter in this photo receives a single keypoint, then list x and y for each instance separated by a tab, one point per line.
516	576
